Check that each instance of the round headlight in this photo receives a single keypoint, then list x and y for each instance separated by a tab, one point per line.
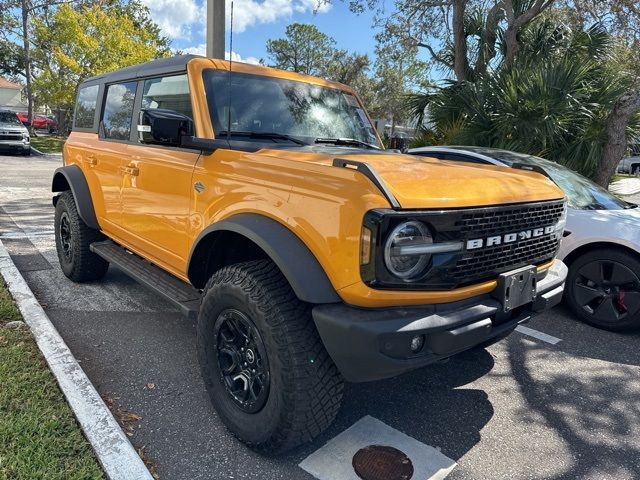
400	261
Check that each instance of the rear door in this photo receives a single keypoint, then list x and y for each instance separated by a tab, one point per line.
157	185
109	155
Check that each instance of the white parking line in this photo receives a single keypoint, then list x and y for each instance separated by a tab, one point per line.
334	460
539	335
26	234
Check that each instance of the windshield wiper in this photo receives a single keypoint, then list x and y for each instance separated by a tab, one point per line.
630	205
269	135
346	141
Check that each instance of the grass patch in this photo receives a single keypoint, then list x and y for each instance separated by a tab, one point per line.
39	436
50	144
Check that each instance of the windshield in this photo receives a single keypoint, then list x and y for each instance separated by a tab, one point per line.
307	112
9	117
582	193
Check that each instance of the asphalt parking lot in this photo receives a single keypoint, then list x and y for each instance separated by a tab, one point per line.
523	409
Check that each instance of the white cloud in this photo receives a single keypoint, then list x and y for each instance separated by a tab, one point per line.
247	13
202	50
174	17
178	19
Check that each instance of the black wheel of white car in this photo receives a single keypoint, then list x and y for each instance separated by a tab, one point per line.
269	377
603	289
73	238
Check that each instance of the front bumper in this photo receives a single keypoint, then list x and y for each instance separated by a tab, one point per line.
13	145
372	344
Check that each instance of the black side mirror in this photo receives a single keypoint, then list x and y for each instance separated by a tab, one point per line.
163	127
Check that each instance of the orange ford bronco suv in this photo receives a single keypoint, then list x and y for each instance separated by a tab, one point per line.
262	203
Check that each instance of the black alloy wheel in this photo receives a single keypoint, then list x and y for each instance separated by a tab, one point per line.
242	360
605	292
73	243
66	236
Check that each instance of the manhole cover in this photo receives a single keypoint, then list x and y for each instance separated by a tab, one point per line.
377	462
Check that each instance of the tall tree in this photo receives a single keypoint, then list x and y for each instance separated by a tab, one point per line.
304	49
90	40
442	28
557	100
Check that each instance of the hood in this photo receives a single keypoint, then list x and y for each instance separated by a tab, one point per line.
423	182
12	127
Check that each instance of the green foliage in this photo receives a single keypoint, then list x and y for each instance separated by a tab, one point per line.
305	49
77	43
554	102
39	437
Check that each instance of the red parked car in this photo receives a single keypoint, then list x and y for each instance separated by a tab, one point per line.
40	122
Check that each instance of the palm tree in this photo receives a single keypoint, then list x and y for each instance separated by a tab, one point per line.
554	101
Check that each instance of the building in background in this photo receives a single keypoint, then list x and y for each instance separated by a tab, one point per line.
11	96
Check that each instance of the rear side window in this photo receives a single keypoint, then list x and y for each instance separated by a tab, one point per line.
86	106
169	93
118	110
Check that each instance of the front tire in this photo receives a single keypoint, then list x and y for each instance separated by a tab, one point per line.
268	374
603	289
73	238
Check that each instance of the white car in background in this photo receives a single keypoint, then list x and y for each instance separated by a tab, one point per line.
601	245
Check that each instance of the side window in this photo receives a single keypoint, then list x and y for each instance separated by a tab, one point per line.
169	93
86	107
118	110
463	158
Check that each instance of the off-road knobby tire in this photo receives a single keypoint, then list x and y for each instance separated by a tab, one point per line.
629	260
305	386
84	265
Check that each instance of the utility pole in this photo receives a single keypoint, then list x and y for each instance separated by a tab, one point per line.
215	28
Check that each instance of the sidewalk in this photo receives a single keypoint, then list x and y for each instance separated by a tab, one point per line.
626	186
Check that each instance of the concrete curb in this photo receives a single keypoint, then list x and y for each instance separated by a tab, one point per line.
37	152
115	453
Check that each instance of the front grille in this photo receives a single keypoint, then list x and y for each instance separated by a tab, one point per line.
503	220
487	262
10	137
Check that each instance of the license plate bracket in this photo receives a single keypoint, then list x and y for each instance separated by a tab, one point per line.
516	288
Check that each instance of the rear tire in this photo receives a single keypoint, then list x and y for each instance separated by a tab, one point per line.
603	289
73	238
294	392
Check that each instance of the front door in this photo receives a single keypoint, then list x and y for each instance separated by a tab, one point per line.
157	187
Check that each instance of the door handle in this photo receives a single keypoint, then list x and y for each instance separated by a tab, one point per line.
133	171
91	160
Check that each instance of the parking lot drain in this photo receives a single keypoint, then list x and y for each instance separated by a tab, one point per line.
379	462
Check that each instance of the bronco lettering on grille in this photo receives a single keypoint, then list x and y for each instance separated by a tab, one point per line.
509	238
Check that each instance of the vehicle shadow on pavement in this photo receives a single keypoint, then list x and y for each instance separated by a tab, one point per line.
582	340
593	408
426	404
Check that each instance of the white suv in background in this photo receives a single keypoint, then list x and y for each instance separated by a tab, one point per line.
14	135
601	245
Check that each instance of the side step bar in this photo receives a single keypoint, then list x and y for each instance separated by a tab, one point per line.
173	289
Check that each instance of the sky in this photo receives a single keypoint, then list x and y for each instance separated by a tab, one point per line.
256	21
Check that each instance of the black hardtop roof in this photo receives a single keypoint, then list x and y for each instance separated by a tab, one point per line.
161	66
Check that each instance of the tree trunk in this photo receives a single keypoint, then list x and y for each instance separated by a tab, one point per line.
511	46
27	58
460	61
625	107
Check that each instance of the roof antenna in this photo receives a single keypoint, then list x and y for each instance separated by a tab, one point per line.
229	85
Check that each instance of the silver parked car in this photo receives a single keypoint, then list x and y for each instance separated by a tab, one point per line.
601	245
629	165
13	134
